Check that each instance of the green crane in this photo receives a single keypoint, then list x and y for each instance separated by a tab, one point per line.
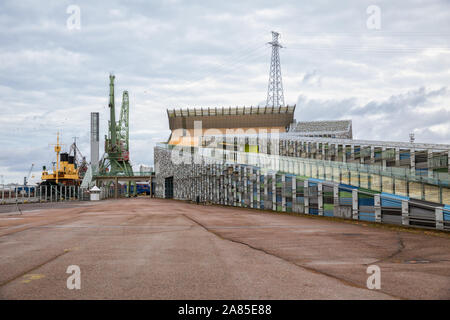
116	160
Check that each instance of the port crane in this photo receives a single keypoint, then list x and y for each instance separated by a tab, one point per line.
116	159
27	178
79	160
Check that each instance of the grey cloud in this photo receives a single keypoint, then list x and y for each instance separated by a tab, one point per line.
211	53
389	119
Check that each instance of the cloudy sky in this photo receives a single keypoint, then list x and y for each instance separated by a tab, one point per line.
171	53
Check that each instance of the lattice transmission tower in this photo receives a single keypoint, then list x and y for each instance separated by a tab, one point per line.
275	96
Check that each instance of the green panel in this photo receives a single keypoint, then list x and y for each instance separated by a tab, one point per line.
368	191
251	148
345	194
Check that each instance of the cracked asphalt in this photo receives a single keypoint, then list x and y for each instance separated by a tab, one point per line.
165	249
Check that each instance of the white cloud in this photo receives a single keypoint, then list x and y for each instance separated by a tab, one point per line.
170	54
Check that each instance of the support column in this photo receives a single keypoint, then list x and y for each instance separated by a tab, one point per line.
355	204
377	206
320	198
335	200
258	189
266	187
306	196
397	157
362	154
344	153
294	194
372	155
412	155
383	157
116	188
248	186
430	163
274	192
283	193
448	162
405	213
439	218
352	152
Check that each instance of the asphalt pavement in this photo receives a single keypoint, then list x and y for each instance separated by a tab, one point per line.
148	248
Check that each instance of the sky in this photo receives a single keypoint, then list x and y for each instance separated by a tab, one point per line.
387	69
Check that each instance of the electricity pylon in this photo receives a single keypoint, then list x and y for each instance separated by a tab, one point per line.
275	96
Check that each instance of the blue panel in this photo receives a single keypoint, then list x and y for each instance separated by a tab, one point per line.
315	180
313	211
386	202
328	213
394	196
367	216
345	201
366	202
404	156
347	186
446	215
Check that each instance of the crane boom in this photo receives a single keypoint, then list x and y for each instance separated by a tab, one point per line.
25	179
112	115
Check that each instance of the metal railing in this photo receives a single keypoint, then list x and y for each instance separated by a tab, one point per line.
35	193
10	194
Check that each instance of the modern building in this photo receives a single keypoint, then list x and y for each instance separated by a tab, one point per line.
261	158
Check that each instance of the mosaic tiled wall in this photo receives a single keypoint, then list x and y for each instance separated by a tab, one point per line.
248	186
